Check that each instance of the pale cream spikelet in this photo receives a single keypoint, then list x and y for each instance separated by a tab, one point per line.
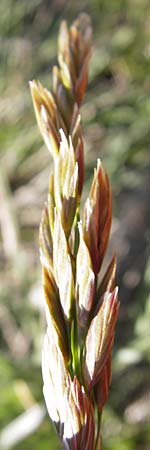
81	311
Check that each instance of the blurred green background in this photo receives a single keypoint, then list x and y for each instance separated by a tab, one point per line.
115	118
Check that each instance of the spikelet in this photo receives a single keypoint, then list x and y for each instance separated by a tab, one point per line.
81	313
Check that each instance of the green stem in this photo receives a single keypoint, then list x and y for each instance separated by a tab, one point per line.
76	240
98	443
74	346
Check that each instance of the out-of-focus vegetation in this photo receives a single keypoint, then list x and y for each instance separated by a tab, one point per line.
116	118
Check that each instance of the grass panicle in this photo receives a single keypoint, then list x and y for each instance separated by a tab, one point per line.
81	313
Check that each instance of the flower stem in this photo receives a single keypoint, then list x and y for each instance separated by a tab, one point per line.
98	443
76	239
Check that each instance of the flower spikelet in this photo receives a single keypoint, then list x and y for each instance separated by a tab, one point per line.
81	306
